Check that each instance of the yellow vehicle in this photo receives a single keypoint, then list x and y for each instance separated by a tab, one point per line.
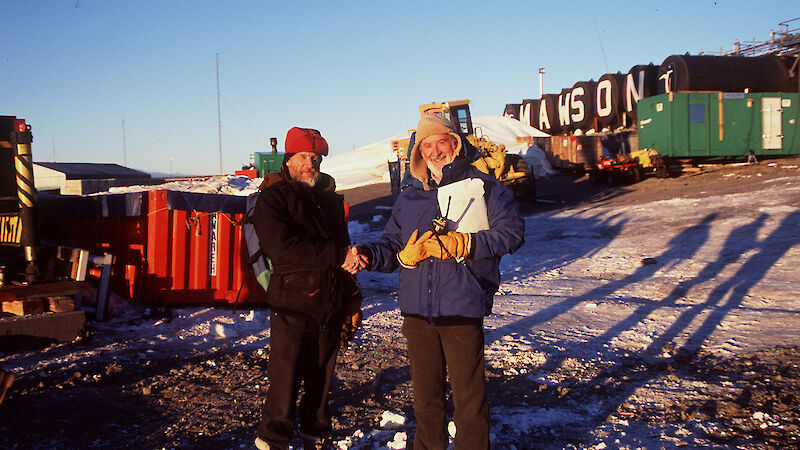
511	170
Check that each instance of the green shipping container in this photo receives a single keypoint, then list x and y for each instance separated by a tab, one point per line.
267	162
725	125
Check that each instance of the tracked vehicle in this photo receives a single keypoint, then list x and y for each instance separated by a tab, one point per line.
509	169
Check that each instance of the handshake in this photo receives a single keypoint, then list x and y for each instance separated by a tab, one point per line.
451	245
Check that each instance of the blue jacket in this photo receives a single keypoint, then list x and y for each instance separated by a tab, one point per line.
445	288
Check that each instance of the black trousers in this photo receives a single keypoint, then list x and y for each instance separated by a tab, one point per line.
455	351
301	352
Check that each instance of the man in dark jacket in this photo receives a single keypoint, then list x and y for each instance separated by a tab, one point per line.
314	303
447	278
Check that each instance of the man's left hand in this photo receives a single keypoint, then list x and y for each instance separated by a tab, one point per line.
350	326
450	245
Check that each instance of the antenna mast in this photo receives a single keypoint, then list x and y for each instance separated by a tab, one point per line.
124	147
219	120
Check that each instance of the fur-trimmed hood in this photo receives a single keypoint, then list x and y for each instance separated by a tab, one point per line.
468	154
431	124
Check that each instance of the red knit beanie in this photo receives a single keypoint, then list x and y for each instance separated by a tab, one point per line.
305	140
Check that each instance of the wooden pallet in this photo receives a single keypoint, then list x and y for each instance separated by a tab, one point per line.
40	313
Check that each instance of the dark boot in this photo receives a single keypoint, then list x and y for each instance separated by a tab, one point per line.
316	443
6	380
264	445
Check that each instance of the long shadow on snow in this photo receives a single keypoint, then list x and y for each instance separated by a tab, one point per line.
681	247
716	308
736	288
380	290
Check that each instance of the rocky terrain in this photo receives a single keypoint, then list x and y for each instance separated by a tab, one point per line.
119	387
212	400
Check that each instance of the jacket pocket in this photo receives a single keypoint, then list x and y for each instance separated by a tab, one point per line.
305	292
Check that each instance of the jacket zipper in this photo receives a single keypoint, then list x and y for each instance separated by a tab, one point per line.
430	292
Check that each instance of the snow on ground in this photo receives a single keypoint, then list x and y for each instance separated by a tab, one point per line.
723	267
592	284
217	184
721	278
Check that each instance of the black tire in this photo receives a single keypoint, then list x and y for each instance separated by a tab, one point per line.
611	178
520	165
636	174
661	167
594	177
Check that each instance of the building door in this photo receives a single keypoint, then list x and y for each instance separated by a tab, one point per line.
771	131
698	127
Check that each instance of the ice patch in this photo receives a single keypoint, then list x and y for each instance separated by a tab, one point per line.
782	209
524	420
392	421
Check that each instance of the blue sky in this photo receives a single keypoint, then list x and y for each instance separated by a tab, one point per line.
357	71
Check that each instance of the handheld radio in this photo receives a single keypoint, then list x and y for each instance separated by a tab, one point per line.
439	223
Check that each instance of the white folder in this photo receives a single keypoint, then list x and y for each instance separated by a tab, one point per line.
466	212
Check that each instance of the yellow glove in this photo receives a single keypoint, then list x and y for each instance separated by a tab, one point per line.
450	245
415	250
350	326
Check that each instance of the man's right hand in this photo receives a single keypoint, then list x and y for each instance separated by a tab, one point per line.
354	260
415	250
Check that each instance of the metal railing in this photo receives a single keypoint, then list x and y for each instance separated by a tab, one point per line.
784	42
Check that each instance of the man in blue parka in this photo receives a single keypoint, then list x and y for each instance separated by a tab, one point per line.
448	278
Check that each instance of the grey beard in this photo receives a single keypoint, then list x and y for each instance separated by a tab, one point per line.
295	175
433	172
311	181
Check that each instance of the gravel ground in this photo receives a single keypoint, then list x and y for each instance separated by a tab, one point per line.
210	398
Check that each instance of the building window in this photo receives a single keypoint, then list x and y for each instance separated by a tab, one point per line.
697	113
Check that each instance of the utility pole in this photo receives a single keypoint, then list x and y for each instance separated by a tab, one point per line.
219	120
124	147
541	82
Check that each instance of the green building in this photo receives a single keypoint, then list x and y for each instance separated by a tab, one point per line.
720	125
267	162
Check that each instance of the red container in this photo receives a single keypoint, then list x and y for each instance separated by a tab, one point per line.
167	250
113	224
249	173
196	257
